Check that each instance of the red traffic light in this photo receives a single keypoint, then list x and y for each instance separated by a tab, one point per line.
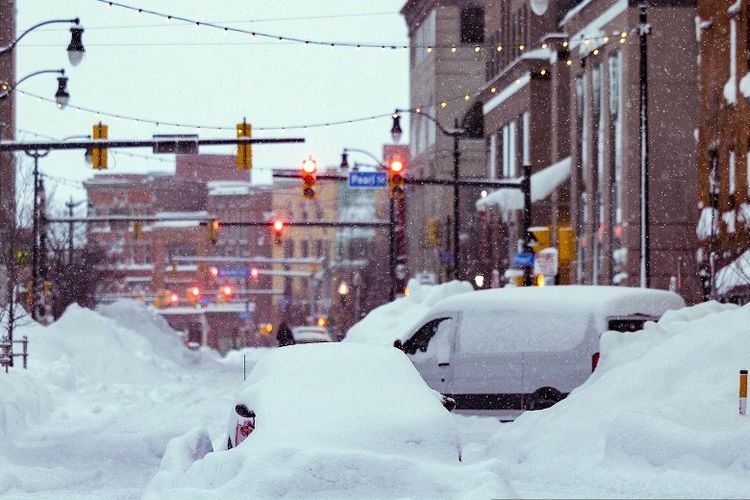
310	166
195	291
226	290
396	166
278	225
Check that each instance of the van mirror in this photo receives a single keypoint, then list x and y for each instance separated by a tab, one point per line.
398	345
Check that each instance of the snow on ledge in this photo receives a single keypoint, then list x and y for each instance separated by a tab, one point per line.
708	224
745	85
542	184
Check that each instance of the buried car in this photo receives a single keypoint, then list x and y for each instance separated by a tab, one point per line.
356	397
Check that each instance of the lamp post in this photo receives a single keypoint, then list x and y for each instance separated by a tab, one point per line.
75	49
456	133
644	29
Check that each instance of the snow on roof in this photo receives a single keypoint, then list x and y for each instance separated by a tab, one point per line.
735	274
543	183
385	324
540	53
229	188
606	300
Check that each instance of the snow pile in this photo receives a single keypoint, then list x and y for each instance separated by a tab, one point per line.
385	324
333	420
100	400
737	273
658	417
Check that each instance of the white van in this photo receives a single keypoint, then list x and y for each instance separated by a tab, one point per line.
504	351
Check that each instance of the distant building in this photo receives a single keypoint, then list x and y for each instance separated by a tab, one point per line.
173	256
723	145
7	133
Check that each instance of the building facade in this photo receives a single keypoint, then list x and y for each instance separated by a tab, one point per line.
446	70
723	145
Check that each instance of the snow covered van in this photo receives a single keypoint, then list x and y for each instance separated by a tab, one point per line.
507	350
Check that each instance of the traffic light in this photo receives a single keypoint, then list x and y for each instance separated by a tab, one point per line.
226	293
433	233
539	238
244	151
396	172
213	231
99	155
137	230
278	229
174	299
194	295
309	175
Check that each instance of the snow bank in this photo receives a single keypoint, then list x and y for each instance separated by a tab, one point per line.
657	418
385	324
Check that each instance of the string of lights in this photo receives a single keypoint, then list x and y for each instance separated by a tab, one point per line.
594	42
454	48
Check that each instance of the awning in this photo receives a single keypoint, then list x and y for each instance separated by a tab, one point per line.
543	183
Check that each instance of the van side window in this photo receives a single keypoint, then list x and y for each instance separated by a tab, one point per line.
420	341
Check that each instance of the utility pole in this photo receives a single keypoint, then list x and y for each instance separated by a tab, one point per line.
644	29
526	189
456	239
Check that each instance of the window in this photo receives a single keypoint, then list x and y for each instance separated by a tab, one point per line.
305	248
434	338
319	248
733	55
472	25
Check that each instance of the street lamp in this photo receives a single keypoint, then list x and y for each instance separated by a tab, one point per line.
343	289
75	47
456	133
62	97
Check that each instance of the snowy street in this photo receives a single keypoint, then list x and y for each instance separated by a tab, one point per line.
105	394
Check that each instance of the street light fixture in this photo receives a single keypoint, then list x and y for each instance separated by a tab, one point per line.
75	48
396	131
62	97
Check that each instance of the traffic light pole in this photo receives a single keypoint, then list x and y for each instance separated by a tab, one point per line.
392	248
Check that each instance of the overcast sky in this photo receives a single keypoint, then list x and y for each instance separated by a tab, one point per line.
147	67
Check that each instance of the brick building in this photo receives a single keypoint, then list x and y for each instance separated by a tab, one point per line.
562	93
723	145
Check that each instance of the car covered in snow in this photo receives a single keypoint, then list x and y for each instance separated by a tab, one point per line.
310	334
354	397
505	351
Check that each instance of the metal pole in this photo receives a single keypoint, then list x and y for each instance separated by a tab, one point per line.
391	250
70	231
456	242
35	241
526	189
644	30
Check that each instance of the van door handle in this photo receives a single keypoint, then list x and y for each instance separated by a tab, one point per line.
444	364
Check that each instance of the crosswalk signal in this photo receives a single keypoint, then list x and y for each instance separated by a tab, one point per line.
213	231
396	172
278	229
309	177
244	151
137	230
99	155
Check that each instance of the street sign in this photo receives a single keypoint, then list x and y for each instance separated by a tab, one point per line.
546	262
233	272
523	259
426	278
367	180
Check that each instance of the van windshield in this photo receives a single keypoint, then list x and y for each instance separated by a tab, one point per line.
527	331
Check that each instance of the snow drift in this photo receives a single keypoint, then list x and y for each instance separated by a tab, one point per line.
658	417
385	324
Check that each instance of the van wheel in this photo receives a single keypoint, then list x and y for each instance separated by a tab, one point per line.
544	398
